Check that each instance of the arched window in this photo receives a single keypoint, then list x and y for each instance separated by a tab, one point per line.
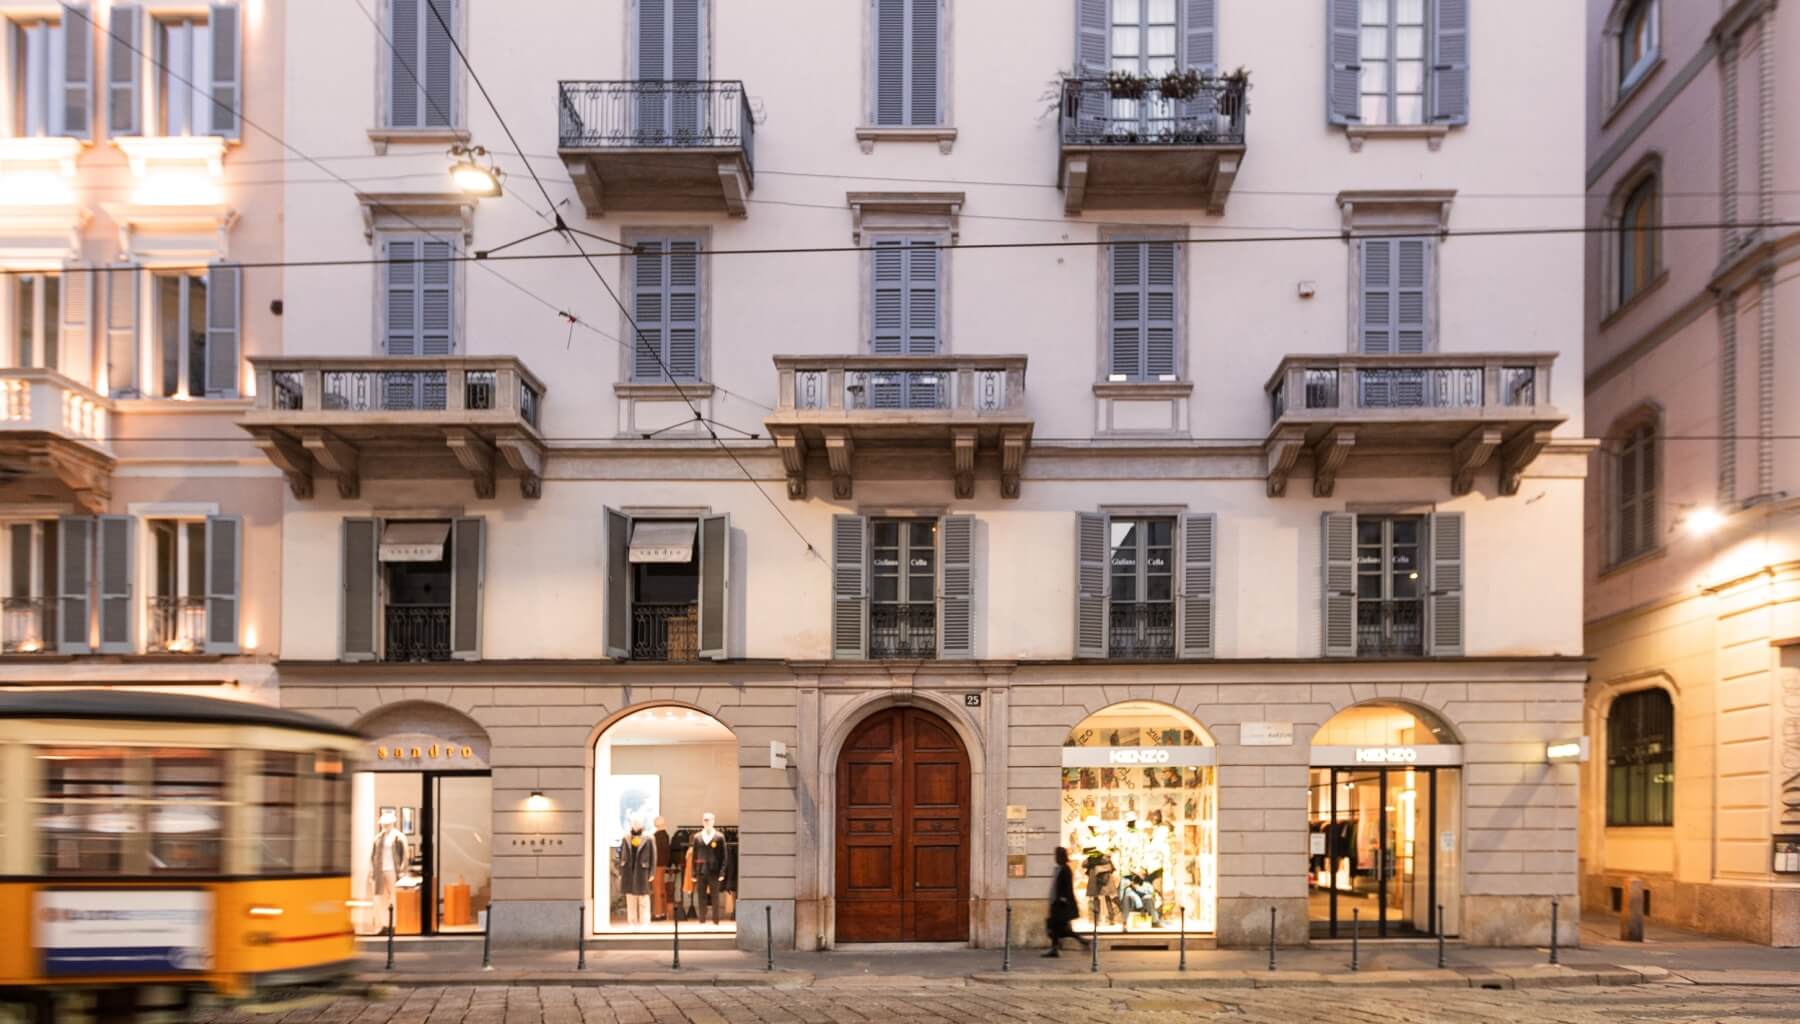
1638	248
1637	43
1640	759
1634	493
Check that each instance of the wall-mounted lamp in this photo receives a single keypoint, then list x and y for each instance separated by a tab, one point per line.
473	170
537	801
1700	520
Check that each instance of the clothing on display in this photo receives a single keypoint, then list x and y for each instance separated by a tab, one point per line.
388	859
689	898
1142	842
637	866
661	899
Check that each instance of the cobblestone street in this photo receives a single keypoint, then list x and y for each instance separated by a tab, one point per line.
927	1002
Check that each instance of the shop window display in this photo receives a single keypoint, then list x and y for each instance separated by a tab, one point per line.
1140	819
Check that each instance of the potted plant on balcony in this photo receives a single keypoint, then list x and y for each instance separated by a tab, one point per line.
1181	85
1123	85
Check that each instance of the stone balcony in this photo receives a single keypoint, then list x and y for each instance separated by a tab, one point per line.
1465	409
409	418
655	145
55	429
854	407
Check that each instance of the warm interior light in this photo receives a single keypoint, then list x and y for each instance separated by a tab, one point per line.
1704	520
537	801
249	638
475	179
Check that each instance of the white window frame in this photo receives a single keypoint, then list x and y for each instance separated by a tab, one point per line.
150	340
1123	236
1619	83
35	44
384	83
1392	93
183	530
188	53
45	328
703	355
46	640
942	132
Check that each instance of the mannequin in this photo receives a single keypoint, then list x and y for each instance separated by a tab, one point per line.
637	865
659	879
709	867
388	857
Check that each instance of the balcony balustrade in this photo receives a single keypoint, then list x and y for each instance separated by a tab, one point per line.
872	405
658	145
1150	152
902	631
53	427
26	624
1141	629
416	632
177	625
430	417
665	632
1390	629
1472	408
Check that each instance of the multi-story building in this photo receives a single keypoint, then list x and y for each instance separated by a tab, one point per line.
141	527
1693	709
985	455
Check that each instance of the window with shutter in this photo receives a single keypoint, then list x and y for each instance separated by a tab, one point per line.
1338	590
361	589
1444	604
670	51
124	64
1142	315
1398	62
113	564
419	318
666	308
1396	316
1142	595
122	285
1092	575
223	312
1634	494
421	65
904	319
907	63
1199	575
467	537
53	74
224	582
849	587
956	599
75	536
715	586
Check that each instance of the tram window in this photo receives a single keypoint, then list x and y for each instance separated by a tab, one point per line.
334	812
187	790
274	833
83	815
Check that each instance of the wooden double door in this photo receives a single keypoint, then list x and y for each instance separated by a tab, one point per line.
903	831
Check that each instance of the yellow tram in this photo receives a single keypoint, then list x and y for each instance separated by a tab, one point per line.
169	842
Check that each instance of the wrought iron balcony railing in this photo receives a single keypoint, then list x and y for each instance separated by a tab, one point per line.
654	113
26	624
665	632
177	625
902	631
1092	113
1141	629
1386	629
417	632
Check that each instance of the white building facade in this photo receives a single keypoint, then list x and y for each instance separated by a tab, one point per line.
994	457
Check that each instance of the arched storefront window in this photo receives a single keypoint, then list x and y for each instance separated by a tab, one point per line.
1640	759
1384	813
1140	818
671	772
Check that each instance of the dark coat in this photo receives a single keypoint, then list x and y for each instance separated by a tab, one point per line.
709	857
1063	908
636	866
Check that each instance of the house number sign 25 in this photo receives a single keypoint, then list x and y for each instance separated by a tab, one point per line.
971	700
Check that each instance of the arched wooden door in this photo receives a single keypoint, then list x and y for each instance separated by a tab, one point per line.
903	831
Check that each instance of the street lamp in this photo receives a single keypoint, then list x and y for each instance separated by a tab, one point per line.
473	170
1703	520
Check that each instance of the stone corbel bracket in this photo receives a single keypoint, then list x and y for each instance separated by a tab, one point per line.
1012	461
526	458
1469	455
1329	456
962	447
792	447
336	458
475	455
1282	451
838	449
1518	454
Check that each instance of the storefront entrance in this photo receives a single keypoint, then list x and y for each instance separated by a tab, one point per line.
903	831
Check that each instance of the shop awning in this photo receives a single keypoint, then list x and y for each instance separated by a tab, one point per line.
413	542
662	541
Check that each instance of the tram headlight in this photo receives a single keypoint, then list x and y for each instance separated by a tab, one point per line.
262	911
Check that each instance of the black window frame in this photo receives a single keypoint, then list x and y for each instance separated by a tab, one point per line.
1640	756
908	616
1391	622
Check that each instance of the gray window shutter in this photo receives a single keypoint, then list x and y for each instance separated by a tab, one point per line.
650	310
666	308
362	589
1093	578
1161	288
683	308
404	75
1199	573
466	572
439	73
685	61
1377	295
1450	62
1343	61
849	587
1444	608
922	65
400	337
224	582
74	570
421	71
652	65
1338	594
921	296
227	68
1091	38
437	328
224	312
616	623
715	586
76	332
890	62
77	103
114	563
956	587
1200	50
887	307
1125	318
1412	291
122	284
124	60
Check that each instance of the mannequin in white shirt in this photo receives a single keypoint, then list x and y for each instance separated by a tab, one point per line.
387	862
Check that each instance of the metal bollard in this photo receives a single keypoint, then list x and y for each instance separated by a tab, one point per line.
1271	938
390	938
1440	935
1006	942
675	964
1094	933
581	938
1181	964
487	940
769	936
1355	938
1553	909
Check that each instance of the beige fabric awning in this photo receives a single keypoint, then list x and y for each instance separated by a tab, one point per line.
413	542
662	541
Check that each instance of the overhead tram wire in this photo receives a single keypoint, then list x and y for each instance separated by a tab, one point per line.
571	235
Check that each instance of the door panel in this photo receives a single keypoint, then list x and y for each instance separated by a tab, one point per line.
903	831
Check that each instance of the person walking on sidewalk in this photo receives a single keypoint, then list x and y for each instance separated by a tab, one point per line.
1063	909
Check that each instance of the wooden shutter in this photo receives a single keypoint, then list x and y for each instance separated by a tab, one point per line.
890	62
1125	315
1377	333
74	570
76	103
683	308
652	55
1343	61
439	73
887	306
616	617
224	582
1646	506
122	284
715	586
124	60
467	536
75	351
1412	293
1200	51
1338	594
1161	288
666	308
849	587
1091	36
1450	62
921	295
922	64
362	589
224	314
1199	574
227	68
114	563
1625	534
956	587
686	28
649	309
400	336
1444	606
404	74
437	326
1093	580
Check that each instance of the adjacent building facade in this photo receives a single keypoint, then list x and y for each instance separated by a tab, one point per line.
1693	707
